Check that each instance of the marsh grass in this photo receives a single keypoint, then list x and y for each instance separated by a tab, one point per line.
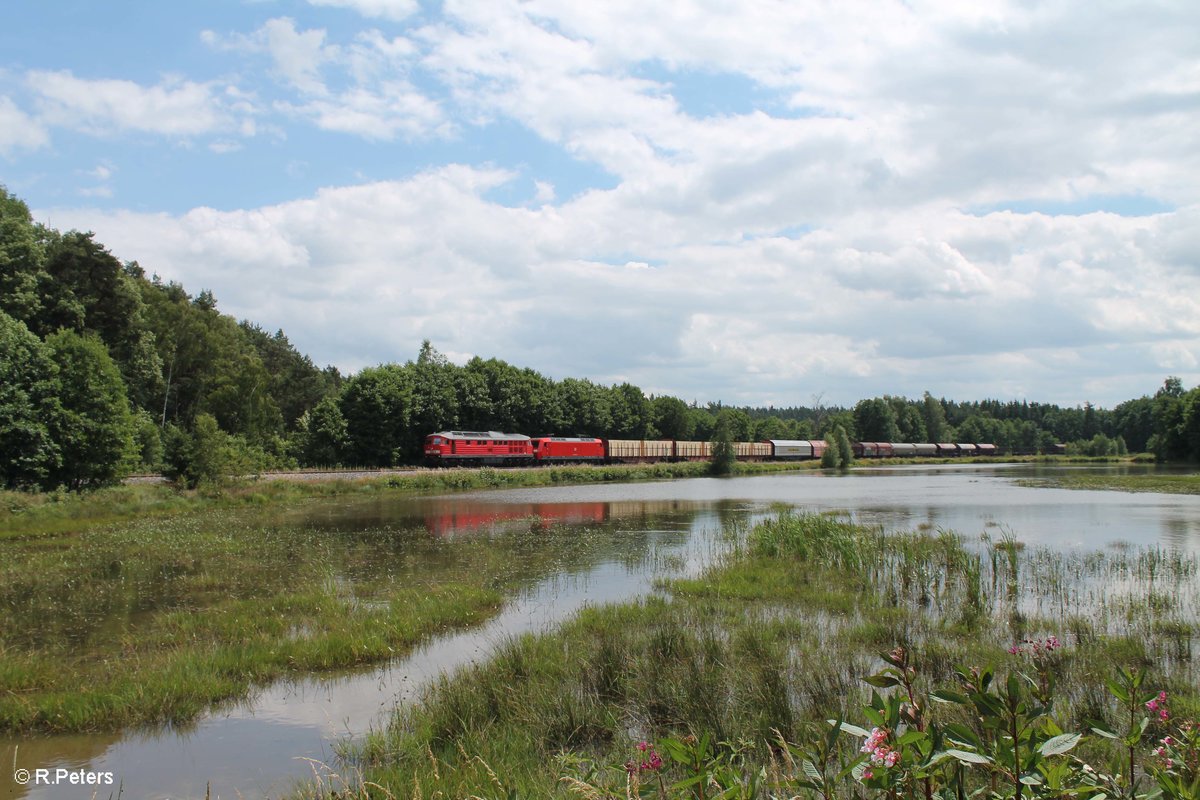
24	514
131	623
1153	482
778	637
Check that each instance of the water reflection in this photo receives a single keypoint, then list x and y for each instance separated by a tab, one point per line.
588	544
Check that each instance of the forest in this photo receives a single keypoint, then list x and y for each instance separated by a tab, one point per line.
105	372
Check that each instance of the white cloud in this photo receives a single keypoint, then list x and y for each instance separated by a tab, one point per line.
939	300
359	88
394	10
19	131
296	56
808	230
175	107
392	110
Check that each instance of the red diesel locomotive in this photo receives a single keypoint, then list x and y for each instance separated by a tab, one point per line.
476	448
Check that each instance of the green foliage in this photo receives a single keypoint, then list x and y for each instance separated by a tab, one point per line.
934	417
672	418
208	456
875	421
845	451
296	384
1176	423
1098	446
94	428
839	454
324	438
22	260
434	399
631	413
582	408
29	405
148	442
724	457
831	456
377	405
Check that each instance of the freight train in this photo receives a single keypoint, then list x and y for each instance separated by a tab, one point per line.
492	448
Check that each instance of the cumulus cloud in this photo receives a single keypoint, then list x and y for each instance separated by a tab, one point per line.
361	274
359	88
297	56
174	107
867	208
19	131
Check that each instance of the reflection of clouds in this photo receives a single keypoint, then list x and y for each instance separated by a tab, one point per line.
254	748
653	530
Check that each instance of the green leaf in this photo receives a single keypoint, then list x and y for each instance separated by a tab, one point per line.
882	681
1117	690
1105	734
947	696
968	757
853	730
811	771
1060	744
961	734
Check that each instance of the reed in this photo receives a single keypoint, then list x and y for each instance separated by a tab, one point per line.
124	624
779	637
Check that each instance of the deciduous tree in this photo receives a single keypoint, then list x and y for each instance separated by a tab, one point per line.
28	406
94	428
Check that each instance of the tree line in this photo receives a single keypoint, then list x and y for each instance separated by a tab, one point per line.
105	371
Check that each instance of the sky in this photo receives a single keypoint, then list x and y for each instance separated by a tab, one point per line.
761	202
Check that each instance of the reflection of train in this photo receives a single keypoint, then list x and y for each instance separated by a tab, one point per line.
475	448
447	518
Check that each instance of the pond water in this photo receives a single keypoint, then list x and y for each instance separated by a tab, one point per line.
638	532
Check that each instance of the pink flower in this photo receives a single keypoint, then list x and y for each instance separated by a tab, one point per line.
654	763
651	763
876	738
868	774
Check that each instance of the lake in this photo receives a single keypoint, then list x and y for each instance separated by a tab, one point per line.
636	533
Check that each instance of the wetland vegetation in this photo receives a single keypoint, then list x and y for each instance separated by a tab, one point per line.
762	649
113	624
1165	483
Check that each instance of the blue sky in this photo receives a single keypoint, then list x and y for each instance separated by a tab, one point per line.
751	202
